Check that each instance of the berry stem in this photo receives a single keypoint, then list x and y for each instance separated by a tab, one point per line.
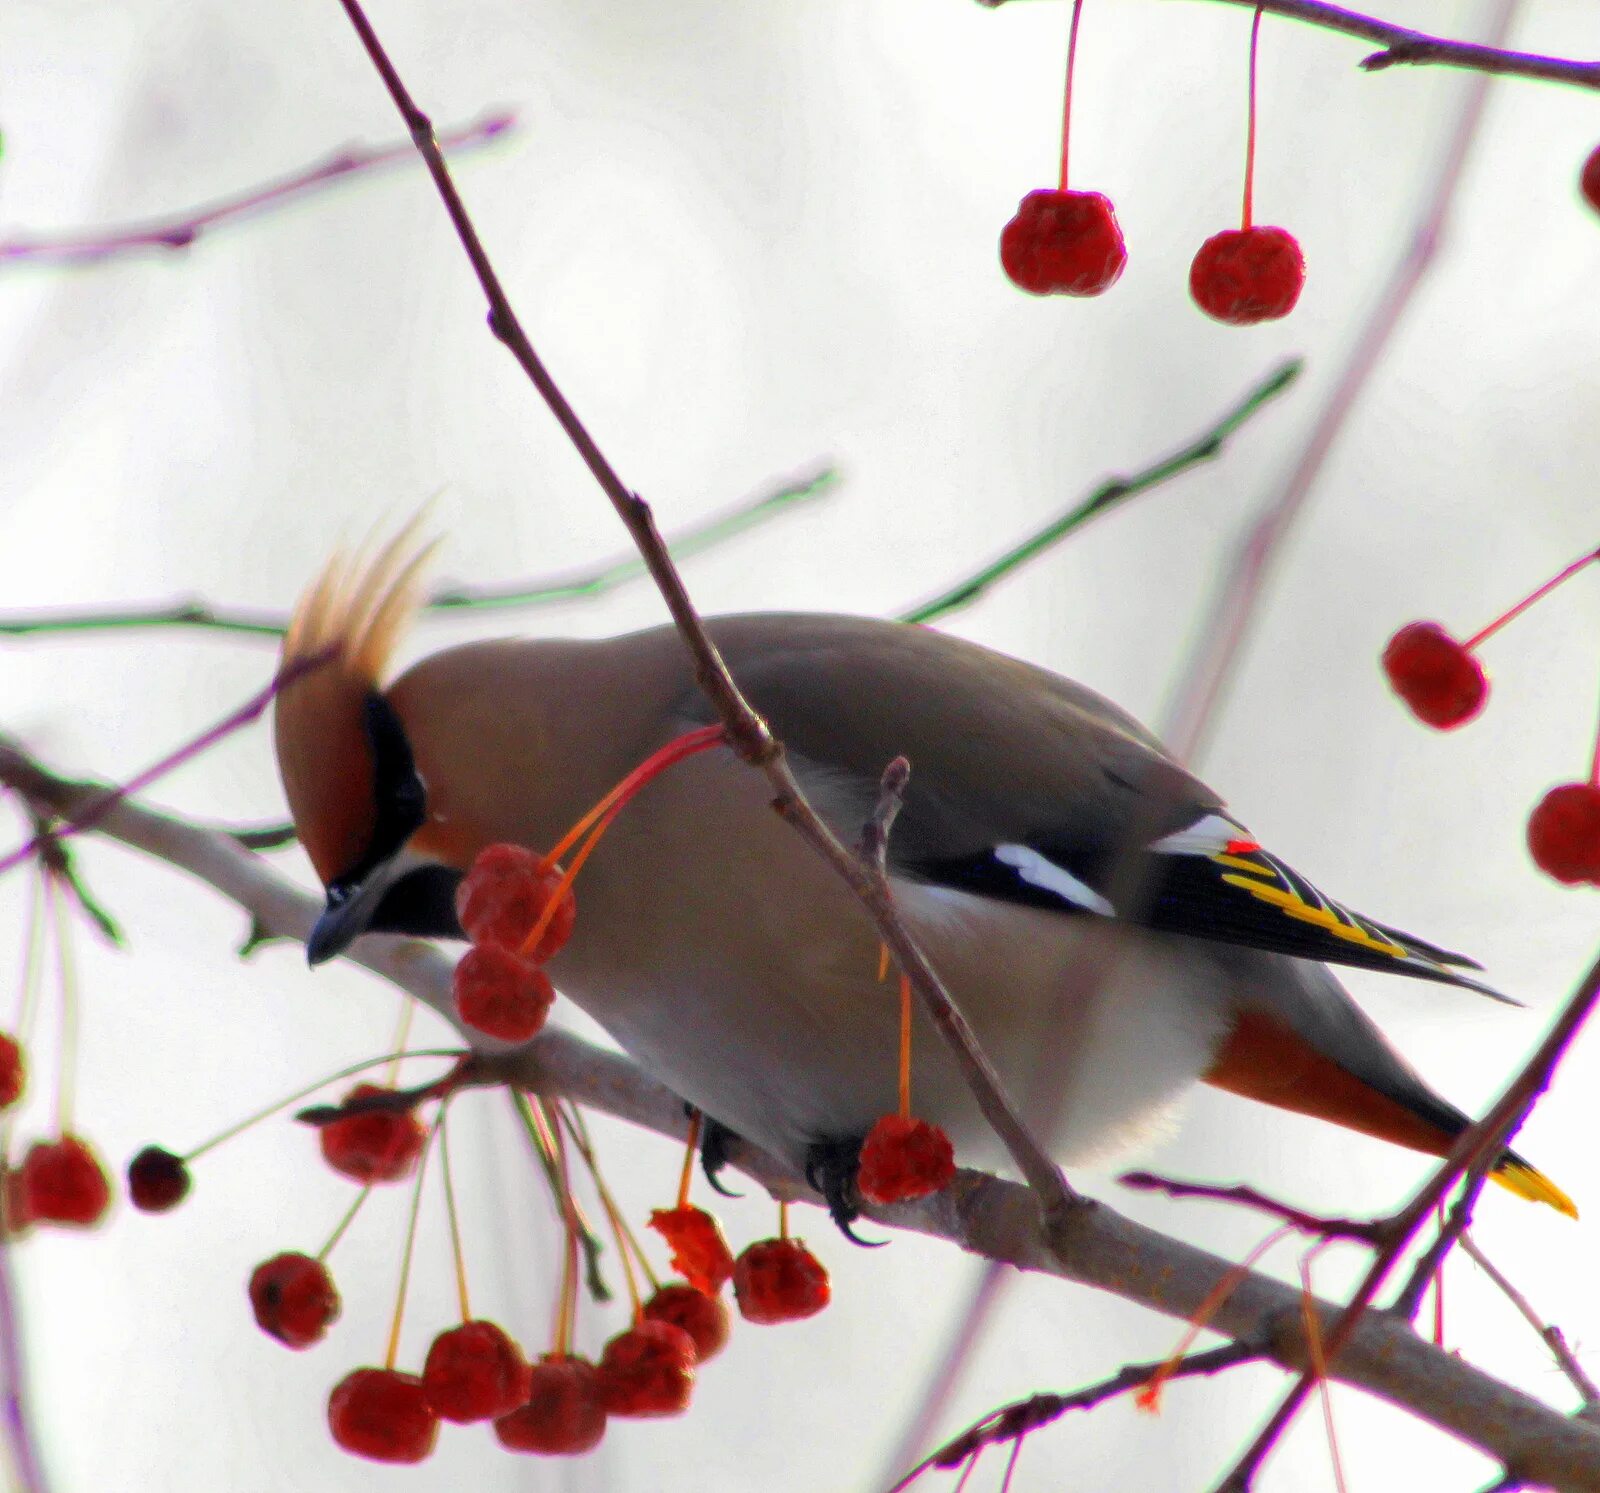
783	1220
1527	601
67	974
687	1175
343	1224
392	1352
579	1130
1313	1330
905	1048
452	1214
1066	101
567	1305
627	1246
1250	126
32	957
402	1035
1594	761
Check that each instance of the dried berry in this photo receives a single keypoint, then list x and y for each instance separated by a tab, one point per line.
779	1280
702	1316
64	1183
1435	675
505	894
1564	833
647	1370
1247	275
377	1145
157	1180
383	1415
1063	243
699	1252
13	1071
563	1416
293	1298
475	1372
500	993
903	1158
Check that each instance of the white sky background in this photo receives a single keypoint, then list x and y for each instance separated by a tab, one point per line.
745	237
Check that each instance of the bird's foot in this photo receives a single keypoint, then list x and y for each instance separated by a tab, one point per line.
716	1147
831	1167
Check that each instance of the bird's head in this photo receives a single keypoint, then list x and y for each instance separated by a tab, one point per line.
344	756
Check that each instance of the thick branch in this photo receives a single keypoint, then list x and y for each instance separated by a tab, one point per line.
982	1214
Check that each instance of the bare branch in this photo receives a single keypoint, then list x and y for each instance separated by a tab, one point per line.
1367	1231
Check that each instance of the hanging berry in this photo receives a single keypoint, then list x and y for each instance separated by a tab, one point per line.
647	1370
564	1415
702	1316
505	893
294	1300
1248	274
903	1159
13	1071
1564	833
779	1280
699	1252
1062	242
1589	179
501	994
475	1372
157	1180
374	1145
63	1182
383	1415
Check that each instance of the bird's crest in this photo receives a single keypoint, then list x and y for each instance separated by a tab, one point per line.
356	610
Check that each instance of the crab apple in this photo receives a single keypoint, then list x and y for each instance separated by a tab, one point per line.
1589	179
500	993
647	1370
157	1180
377	1145
1435	675
293	1298
699	1252
563	1416
384	1415
475	1372
698	1313
13	1071
1247	275
779	1280
505	893
903	1158
63	1182
1564	833
1063	243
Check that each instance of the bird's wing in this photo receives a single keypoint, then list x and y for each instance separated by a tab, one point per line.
1028	788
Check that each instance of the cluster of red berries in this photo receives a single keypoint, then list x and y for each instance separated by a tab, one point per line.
59	1182
514	907
1442	681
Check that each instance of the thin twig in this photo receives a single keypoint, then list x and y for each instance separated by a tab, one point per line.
748	734
1367	1231
1110	494
1021	1418
1402	45
181	230
586	584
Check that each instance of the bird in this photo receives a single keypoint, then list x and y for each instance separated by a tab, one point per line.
1113	934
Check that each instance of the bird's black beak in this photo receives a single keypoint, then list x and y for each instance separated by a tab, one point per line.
405	894
347	916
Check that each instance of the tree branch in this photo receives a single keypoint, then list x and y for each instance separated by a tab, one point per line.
981	1214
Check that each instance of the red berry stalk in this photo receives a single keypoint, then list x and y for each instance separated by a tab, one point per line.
1438	676
1063	242
1248	274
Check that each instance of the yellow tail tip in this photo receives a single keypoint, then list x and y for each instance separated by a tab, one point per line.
1530	1183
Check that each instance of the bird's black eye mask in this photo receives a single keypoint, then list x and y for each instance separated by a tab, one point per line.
399	803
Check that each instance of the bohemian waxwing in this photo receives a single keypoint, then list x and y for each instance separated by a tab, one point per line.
722	954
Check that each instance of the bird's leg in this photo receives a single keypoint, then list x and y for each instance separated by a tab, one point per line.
831	1167
716	1144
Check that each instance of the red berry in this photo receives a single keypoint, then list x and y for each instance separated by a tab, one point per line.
647	1370
699	1252
703	1317
378	1145
63	1182
475	1372
563	1416
902	1159
504	895
157	1180
1245	275
1564	833
294	1299
13	1071
780	1280
1589	179
501	993
1444	685
384	1415
1063	243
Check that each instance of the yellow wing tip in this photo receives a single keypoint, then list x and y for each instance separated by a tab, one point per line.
1530	1183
